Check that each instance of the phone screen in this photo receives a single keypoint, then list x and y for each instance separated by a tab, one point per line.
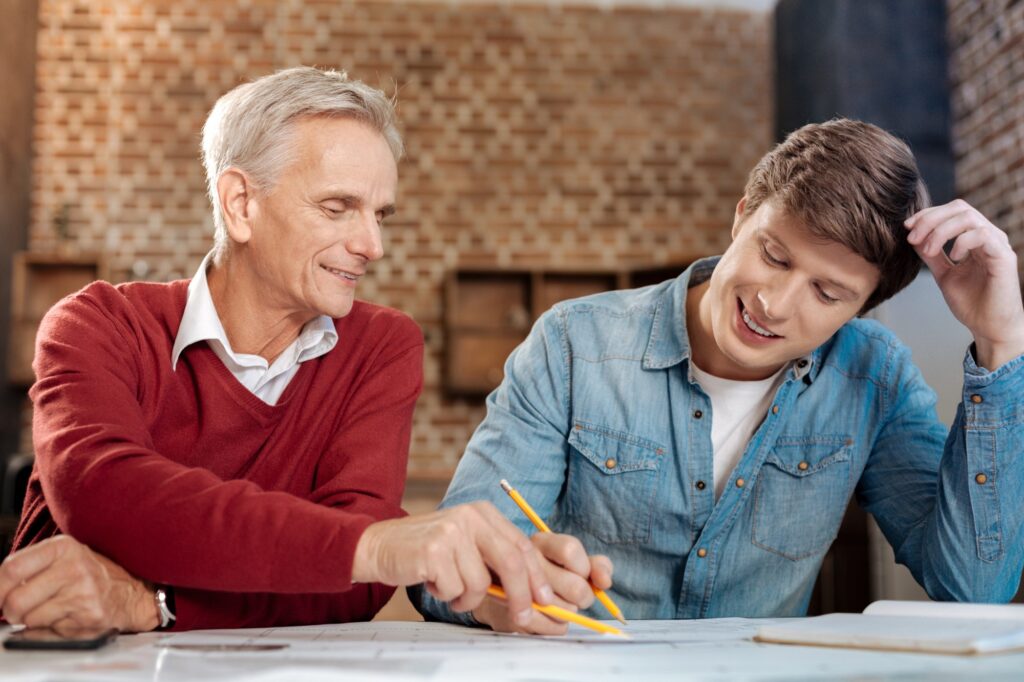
46	639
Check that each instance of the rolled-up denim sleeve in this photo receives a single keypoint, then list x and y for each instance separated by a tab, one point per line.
950	504
523	439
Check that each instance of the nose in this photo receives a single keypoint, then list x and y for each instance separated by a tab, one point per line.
764	304
365	239
779	300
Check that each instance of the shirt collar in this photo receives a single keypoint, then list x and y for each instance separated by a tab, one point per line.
200	322
669	343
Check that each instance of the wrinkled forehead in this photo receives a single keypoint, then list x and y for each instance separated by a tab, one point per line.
341	146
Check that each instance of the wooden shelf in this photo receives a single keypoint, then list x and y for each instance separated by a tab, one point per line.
38	281
487	313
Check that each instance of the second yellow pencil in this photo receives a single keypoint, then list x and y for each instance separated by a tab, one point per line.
564	614
539	524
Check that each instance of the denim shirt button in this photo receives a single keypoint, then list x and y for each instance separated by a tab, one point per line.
701	485
740	483
775	409
697	414
702	552
981	479
976	399
610	463
803	466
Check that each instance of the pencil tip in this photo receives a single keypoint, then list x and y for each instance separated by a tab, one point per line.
505	486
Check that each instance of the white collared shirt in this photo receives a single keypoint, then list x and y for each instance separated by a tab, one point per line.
267	382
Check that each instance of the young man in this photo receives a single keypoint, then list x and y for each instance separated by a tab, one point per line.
707	433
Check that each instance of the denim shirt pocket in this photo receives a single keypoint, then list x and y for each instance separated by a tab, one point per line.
801	495
613	479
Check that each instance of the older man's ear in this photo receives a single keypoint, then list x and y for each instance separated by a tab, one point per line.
237	202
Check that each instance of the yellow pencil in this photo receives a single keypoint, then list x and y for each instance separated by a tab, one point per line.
538	522
564	614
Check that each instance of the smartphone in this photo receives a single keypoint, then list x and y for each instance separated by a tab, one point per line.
45	639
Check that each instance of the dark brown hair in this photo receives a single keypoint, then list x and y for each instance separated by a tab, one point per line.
848	182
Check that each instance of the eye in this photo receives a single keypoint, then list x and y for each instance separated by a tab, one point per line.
825	298
769	258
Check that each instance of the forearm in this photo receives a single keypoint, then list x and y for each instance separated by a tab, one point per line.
179	526
963	553
204	609
522	439
971	546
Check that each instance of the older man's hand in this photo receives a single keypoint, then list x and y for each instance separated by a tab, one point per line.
63	585
569	570
453	552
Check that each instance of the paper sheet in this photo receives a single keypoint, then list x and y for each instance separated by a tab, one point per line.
932	609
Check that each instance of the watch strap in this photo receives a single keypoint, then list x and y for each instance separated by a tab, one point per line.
164	597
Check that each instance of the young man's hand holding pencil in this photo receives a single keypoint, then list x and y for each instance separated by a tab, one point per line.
573	575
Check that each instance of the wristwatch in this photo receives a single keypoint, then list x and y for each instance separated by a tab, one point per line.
164	606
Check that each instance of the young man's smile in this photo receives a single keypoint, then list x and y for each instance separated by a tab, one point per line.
750	328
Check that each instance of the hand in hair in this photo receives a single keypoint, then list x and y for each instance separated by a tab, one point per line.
978	276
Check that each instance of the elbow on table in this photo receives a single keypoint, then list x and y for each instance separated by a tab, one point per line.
981	587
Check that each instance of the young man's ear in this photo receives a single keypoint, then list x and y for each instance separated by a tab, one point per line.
237	193
738	218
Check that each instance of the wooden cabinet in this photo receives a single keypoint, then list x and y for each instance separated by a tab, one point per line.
38	281
487	313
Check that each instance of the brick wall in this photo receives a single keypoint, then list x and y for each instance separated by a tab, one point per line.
537	135
986	41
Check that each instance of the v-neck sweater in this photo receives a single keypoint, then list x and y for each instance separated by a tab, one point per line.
250	511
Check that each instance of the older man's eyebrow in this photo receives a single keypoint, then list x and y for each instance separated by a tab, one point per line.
388	209
344	197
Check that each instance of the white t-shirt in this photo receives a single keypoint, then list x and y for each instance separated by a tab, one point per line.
737	409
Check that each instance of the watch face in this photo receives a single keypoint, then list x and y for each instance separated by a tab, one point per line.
166	617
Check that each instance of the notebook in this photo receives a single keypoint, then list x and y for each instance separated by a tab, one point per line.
933	627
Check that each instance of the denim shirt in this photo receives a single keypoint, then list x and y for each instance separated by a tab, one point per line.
601	427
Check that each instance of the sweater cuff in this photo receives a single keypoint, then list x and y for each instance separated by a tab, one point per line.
434	610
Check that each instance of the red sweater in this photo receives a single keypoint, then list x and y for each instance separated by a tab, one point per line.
250	511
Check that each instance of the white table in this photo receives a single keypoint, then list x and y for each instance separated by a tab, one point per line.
719	649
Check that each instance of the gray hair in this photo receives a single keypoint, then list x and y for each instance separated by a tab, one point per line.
250	127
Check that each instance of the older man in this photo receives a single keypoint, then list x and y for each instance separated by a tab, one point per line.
231	451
